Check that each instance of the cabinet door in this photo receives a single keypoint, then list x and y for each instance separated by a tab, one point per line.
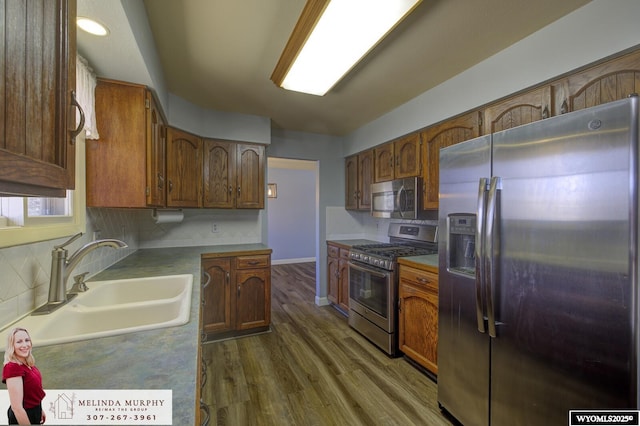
343	286
526	108
365	179
218	174
418	325
333	274
184	169
253	298
37	78
613	80
383	162
250	176
116	173
351	183
441	135
218	298
156	143
407	154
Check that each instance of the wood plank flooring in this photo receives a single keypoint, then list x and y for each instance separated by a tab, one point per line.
312	369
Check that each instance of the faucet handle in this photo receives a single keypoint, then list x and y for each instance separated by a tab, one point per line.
79	285
69	241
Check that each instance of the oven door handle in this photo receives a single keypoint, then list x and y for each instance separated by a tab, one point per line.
369	271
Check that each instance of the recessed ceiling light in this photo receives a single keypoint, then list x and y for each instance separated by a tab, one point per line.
91	26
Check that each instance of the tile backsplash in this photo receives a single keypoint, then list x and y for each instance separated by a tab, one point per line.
25	269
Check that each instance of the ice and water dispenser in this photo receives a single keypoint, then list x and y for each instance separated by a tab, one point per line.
462	243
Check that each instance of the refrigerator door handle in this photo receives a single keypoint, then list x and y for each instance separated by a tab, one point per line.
490	239
479	253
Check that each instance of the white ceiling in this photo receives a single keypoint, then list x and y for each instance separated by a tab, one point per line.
219	54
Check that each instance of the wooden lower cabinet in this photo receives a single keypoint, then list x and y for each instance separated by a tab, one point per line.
237	298
418	316
338	276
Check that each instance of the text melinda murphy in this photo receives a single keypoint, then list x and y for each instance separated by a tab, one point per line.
104	406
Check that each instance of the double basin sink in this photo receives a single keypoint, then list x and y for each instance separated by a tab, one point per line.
114	307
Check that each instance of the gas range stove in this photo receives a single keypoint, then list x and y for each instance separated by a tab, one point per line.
384	255
405	240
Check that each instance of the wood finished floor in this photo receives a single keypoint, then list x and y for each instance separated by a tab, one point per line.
312	369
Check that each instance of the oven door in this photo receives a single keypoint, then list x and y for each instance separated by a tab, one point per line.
372	295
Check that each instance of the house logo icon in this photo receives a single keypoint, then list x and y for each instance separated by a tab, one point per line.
62	406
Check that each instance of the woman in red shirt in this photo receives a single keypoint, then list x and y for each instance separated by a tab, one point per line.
23	379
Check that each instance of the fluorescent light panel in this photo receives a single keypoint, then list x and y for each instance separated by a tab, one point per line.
343	35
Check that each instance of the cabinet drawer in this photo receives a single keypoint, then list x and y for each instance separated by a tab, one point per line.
255	261
427	280
333	251
344	253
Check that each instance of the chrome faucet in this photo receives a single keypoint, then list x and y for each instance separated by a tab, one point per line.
61	267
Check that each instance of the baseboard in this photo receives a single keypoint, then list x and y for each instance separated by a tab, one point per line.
322	301
288	261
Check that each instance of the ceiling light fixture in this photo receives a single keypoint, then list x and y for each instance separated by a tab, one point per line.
330	37
91	26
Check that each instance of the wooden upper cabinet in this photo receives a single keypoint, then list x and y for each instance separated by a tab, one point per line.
250	176
156	144
37	79
383	161
233	175
613	80
397	159
441	135
351	182
365	179
525	108
126	166
407	156
358	179
218	173
184	169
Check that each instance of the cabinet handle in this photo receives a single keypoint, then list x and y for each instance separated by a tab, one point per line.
238	191
423	280
160	181
238	290
227	277
170	185
253	262
76	132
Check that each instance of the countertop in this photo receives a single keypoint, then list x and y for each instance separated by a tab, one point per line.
349	243
428	262
165	358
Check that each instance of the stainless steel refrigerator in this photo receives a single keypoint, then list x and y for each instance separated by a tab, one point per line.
538	302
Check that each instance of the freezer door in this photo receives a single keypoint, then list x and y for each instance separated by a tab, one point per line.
463	351
562	291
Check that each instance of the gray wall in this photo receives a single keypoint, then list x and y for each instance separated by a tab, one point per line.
292	215
327	150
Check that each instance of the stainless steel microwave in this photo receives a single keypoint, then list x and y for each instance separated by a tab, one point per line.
397	199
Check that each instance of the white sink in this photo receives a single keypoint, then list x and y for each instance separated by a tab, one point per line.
115	307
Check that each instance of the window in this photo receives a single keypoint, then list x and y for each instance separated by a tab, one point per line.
29	220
